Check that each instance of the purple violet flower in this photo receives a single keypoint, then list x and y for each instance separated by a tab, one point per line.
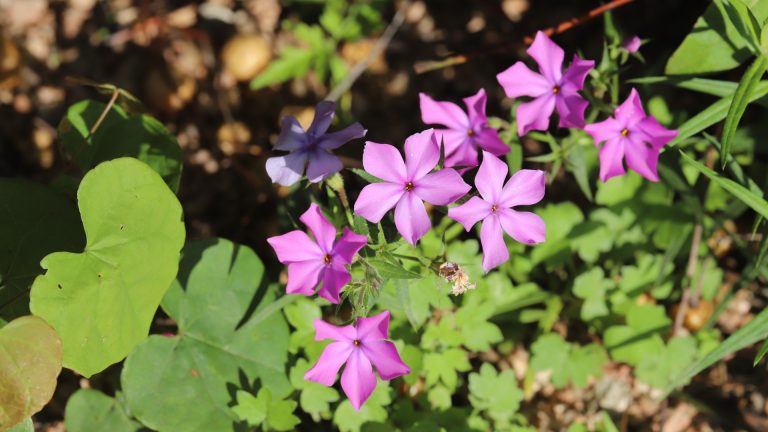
633	135
465	134
550	90
632	45
322	260
494	208
310	149
406	184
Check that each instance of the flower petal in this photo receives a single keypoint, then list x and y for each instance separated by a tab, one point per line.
373	328
632	45
534	115
470	213
643	160
337	139
605	130
495	250
376	199
443	113
303	277
348	245
358	379
411	218
490	178
456	144
570	109
292	136
476	109
327	366
384	356
324	112
631	111
323	331
653	132
611	159
384	162
335	277
323	231
548	55
518	80
526	187
488	140
525	227
295	246
286	170
421	154
442	187
321	165
574	77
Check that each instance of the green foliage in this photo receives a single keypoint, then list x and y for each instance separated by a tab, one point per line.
90	410
220	339
444	366
315	398
374	410
102	301
496	394
264	409
569	363
746	87
25	425
592	287
641	335
665	365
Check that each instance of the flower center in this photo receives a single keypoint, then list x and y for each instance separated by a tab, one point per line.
327	258
494	208
409	186
624	132
470	132
356	342
556	89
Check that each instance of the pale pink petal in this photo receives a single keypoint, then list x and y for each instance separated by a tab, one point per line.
632	44
526	187
548	55
358	379
631	111
303	277
337	139
534	115
321	165
286	170
488	140
574	77
384	161
470	213
335	276
323	231
411	218
464	156
295	246
495	250
476	109
376	199
323	331
456	144
442	187
373	328
324	112
605	130
653	132
611	159
643	160
292	136
570	109
518	81
443	113
348	245
490	178
525	227
385	358
422	154
334	355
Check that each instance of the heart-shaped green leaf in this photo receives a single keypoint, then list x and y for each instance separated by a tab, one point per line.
102	301
186	382
91	410
30	361
34	222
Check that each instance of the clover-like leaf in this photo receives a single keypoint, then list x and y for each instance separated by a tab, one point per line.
478	332
30	361
498	394
101	301
569	363
373	410
91	410
315	398
592	287
276	414
632	342
664	366
443	366
183	382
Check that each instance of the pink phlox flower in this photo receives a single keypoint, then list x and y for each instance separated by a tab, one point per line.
494	208
361	346
633	135
551	89
632	45
322	260
407	184
310	148
465	133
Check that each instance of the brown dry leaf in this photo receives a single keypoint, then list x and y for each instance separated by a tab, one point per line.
681	419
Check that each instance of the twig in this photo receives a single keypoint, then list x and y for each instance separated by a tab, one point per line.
377	49
430	65
692	260
112	100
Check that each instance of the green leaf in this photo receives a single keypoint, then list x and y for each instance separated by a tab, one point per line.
567	362
592	287
740	101
443	366
26	425
219	340
439	397
301	315
577	163
498	394
373	410
102	301
91	410
632	342
761	353
30	361
363	174
292	63
277	414
749	198
478	332
34	222
388	270
315	398
663	366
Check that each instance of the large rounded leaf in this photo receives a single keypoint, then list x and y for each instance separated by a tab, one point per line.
34	221
185	382
91	410
102	301
30	361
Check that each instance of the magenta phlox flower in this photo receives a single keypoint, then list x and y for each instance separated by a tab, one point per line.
362	347
494	208
633	135
632	45
407	184
323	260
465	133
550	89
310	148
